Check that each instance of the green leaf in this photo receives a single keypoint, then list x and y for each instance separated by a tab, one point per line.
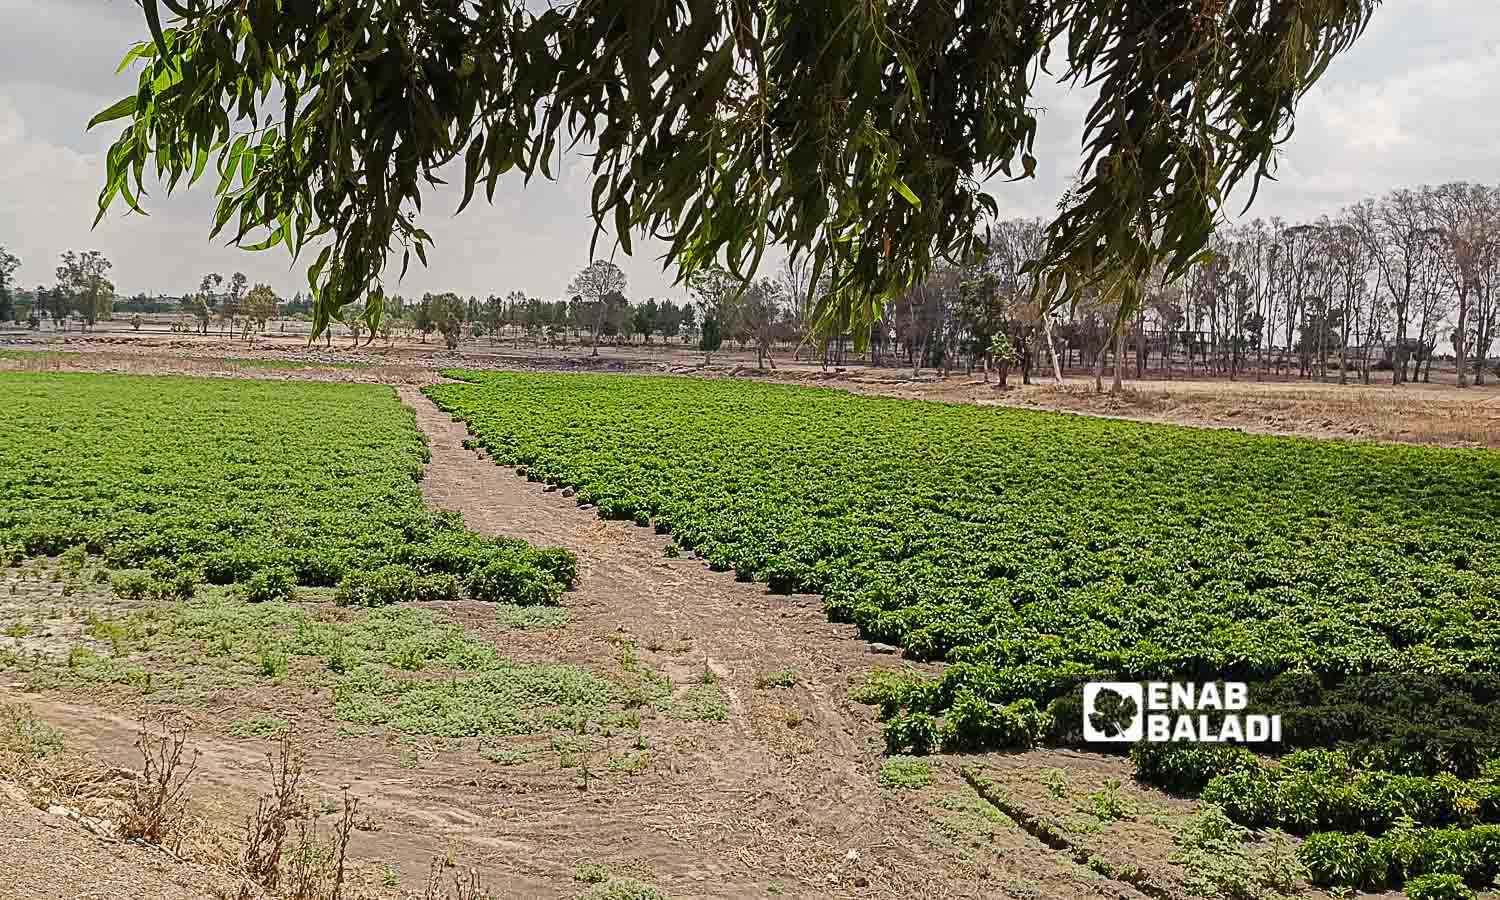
118	110
153	22
900	187
471	170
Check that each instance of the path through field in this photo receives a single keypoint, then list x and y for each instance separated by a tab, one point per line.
782	795
774	793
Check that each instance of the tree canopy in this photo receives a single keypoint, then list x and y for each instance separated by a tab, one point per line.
854	134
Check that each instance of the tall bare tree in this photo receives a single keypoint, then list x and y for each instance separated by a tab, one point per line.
593	284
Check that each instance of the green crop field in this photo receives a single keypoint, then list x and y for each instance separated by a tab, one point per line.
263	484
1356	586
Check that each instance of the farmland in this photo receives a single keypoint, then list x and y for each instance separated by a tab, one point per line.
1356	586
263	485
675	594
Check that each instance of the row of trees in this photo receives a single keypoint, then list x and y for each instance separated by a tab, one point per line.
238	307
84	293
1390	282
82	290
596	309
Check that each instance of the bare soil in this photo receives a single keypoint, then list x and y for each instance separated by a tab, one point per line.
1438	413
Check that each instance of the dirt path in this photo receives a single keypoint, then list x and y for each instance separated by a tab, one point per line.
781	798
42	856
764	804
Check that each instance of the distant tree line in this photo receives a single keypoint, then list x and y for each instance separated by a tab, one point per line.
1387	284
595	311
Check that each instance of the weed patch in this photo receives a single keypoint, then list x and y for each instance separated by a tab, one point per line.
905	773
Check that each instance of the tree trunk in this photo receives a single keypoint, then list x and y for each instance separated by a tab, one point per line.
1459	338
1119	383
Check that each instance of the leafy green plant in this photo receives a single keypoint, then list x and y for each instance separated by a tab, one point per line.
1056	782
905	772
512	581
132	587
700	703
258	726
782	678
269	584
23	733
530	618
304	484
1108	804
1438	887
591	873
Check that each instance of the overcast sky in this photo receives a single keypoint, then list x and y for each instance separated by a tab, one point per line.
1414	102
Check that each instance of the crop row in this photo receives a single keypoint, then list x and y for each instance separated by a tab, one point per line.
1036	551
268	484
1355	586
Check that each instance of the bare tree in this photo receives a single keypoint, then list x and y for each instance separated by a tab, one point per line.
592	285
761	310
1464	215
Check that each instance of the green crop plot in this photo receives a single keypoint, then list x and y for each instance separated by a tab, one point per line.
1356	586
265	484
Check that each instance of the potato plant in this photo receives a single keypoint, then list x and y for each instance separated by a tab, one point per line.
1356	586
267	485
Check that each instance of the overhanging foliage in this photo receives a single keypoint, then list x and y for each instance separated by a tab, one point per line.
857	133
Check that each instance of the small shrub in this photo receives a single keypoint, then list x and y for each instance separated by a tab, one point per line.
158	799
1278	868
512	581
530	618
74	559
629	763
776	678
266	831
394	583
1110	805
1188	768
1210	829
269	585
974	723
23	733
132	587
624	889
315	869
700	703
911	732
274	662
258	726
591	873
1056	783
1336	859
504	757
559	563
171	581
